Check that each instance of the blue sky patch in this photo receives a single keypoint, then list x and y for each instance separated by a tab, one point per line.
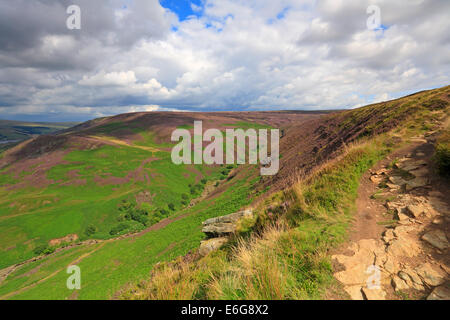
184	8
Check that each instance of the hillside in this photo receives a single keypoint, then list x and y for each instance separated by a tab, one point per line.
105	195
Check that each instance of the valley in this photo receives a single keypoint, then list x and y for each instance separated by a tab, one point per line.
105	195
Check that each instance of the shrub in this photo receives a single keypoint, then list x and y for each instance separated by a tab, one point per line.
49	250
442	159
119	228
171	206
40	249
90	230
203	181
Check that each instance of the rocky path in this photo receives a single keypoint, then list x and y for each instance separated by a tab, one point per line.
398	247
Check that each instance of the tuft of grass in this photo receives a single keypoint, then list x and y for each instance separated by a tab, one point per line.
442	154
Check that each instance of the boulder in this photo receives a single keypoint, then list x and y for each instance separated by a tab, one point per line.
421	172
436	238
208	246
404	247
417	183
231	218
218	229
429	275
415	209
396	180
440	293
224	225
411	165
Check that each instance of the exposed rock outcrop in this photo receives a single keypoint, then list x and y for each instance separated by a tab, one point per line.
224	225
219	230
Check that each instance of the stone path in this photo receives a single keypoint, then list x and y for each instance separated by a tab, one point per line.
410	256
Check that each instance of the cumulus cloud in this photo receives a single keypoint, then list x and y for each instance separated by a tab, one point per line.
230	55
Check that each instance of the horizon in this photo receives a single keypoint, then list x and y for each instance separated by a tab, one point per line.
45	119
79	61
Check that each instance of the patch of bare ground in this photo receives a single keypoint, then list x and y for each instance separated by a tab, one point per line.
398	246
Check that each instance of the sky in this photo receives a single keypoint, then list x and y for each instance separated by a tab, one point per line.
214	55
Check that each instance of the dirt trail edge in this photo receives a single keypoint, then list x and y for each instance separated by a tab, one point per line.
398	246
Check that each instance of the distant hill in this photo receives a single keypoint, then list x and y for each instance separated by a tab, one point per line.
14	131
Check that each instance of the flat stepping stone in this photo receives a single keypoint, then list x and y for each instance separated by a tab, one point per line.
437	239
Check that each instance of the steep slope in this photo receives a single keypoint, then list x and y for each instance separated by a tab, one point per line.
91	180
288	254
105	178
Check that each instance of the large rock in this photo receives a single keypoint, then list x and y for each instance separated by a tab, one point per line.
437	239
218	229
224	225
415	209
411	279
411	165
211	245
231	218
396	180
421	172
440	293
416	183
404	247
430	275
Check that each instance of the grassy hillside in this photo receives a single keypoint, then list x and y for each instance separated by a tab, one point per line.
111	183
113	186
287	258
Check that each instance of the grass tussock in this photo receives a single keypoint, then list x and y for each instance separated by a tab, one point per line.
442	155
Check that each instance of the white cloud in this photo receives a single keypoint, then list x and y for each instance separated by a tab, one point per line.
237	55
109	79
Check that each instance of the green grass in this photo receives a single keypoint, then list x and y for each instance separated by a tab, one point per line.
119	262
284	262
33	216
442	154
